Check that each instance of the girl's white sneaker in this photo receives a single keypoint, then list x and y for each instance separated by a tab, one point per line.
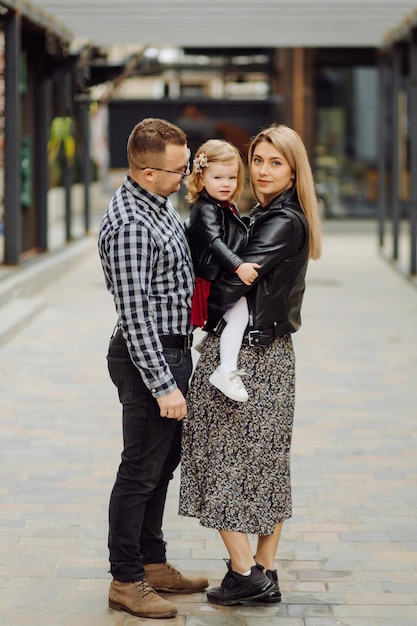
230	383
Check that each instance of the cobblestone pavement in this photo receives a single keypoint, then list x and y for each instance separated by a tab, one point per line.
348	556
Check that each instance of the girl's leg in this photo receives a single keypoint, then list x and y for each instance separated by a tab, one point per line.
226	377
267	548
231	338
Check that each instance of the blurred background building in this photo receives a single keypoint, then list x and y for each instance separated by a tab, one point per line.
75	77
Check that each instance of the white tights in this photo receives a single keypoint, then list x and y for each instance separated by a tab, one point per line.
236	320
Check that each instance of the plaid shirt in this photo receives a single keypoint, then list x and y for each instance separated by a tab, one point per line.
148	270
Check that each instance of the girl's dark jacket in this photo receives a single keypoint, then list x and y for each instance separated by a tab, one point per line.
279	242
215	236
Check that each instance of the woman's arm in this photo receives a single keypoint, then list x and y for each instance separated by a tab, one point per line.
271	239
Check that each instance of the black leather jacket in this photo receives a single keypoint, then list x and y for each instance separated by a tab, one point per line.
215	236
279	242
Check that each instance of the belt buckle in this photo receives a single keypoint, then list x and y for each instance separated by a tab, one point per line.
188	342
251	340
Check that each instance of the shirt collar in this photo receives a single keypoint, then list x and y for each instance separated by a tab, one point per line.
140	192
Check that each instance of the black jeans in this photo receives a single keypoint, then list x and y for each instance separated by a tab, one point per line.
152	446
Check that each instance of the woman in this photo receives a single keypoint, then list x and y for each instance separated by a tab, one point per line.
235	469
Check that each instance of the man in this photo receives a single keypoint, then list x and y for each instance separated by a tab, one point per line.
148	270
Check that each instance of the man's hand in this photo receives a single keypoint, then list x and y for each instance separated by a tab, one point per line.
173	405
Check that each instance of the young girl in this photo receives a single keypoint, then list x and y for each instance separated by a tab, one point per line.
216	234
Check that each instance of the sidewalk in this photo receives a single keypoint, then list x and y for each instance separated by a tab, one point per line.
348	557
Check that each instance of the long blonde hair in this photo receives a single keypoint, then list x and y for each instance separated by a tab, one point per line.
292	148
215	151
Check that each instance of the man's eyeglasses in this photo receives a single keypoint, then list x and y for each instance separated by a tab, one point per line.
183	173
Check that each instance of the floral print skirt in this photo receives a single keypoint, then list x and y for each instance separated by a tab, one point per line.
235	465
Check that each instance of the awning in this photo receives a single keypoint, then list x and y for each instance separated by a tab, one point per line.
212	23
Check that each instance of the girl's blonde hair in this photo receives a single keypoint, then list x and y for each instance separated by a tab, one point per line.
215	151
292	148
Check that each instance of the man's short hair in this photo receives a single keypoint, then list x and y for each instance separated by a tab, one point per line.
148	140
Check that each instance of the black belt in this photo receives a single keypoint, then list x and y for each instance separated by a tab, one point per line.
259	337
256	337
265	337
176	342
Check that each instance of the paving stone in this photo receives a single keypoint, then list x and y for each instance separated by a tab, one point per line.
348	556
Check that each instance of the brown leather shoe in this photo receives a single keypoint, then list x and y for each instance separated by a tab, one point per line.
139	599
164	577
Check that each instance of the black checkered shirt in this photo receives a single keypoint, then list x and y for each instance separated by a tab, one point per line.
148	269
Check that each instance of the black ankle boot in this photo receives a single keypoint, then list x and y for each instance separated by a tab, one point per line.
274	595
237	588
